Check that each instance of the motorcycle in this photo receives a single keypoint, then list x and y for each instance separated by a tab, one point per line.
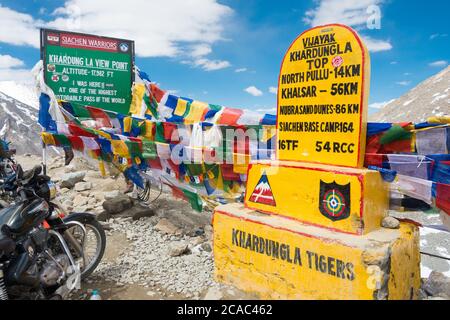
44	253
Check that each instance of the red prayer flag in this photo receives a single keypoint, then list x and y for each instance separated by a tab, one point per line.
156	92
100	117
154	163
443	197
373	159
76	143
229	174
397	146
230	116
77	131
169	129
373	144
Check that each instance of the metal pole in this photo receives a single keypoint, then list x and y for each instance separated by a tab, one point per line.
44	157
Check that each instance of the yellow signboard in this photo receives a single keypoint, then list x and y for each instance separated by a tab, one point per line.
279	258
343	199
322	98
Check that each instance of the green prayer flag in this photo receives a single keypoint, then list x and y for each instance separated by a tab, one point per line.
194	199
395	133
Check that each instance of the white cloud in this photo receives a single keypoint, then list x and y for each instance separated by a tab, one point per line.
10	70
439	63
349	12
380	105
376	45
201	50
17	75
18	28
353	13
394	62
267	110
160	28
273	90
211	65
240	70
254	91
437	35
6	61
403	83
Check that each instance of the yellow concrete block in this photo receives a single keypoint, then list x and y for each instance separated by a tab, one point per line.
342	199
279	258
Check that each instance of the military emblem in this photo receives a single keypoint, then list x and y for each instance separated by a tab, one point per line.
334	200
263	193
123	47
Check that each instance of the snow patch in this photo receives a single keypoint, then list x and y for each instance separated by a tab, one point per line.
20	92
409	102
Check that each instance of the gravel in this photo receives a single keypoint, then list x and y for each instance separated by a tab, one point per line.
148	261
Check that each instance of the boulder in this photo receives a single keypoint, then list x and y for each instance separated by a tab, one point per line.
206	247
93	174
69	180
390	223
68	205
103	216
63	190
437	284
92	202
83	186
136	212
165	226
140	211
178	248
81	209
79	200
112	194
213	294
69	168
118	204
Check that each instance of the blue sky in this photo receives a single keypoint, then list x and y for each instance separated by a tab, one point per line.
214	50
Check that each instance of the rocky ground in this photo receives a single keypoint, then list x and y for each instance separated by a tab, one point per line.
163	249
159	250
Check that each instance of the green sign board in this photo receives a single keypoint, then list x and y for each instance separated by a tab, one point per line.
89	70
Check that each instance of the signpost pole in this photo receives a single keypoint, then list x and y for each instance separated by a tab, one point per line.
44	157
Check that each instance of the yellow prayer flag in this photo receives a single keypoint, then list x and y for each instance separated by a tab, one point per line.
138	96
127	124
441	119
149	129
268	133
120	148
196	112
240	169
101	166
48	139
181	107
103	134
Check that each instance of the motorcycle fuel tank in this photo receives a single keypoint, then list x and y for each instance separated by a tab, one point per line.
22	217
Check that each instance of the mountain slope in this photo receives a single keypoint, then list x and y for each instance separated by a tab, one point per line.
429	98
18	124
21	92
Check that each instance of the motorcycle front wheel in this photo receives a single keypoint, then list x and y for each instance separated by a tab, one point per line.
93	246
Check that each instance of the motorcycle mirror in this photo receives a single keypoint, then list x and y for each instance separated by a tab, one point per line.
37	170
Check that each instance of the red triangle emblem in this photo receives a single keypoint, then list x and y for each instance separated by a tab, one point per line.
263	192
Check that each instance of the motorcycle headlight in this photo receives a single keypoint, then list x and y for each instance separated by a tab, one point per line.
52	190
47	191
